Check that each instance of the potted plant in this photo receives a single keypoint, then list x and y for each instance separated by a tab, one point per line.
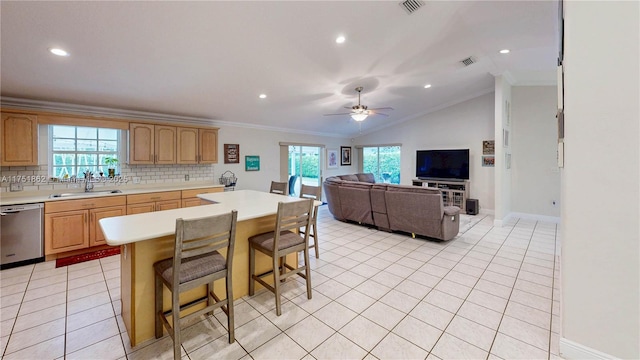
111	162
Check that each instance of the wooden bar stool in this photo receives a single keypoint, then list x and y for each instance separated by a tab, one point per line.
315	193
279	243
196	262
278	188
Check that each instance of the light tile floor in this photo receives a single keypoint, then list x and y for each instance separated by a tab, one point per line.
490	293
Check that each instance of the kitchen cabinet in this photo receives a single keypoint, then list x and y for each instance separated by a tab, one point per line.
19	139
197	145
190	198
158	201
73	224
152	144
96	237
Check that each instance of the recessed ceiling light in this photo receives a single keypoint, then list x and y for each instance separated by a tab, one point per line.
262	96
427	86
58	51
504	51
340	39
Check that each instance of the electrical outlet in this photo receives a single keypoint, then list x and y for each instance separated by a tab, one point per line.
136	180
186	178
16	186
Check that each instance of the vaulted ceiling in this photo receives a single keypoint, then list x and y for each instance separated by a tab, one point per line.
213	59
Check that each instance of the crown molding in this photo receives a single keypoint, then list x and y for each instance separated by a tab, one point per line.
97	111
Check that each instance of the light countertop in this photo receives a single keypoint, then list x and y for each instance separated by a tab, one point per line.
250	204
27	197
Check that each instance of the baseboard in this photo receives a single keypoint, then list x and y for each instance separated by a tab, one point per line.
536	217
572	350
487	212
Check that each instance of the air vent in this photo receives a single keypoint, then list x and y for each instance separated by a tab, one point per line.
411	5
468	61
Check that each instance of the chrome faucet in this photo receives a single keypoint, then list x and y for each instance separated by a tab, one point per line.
88	185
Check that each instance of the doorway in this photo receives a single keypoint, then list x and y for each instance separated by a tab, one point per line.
304	167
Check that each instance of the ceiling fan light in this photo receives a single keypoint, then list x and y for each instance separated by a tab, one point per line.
359	117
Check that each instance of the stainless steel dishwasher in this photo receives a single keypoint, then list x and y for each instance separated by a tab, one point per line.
21	235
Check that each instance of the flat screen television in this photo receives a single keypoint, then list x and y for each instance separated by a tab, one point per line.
443	164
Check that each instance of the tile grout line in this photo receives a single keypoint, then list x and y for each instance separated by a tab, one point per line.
472	288
511	293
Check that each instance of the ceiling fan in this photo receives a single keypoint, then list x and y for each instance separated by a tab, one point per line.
360	112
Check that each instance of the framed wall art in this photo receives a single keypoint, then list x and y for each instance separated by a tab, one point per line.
345	155
488	147
332	159
231	153
488	161
252	163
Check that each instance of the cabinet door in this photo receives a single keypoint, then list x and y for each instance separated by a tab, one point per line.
141	208
187	146
65	231
141	144
96	237
193	202
167	205
19	140
165	144
208	146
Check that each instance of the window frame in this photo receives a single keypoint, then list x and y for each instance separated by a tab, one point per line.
99	154
378	174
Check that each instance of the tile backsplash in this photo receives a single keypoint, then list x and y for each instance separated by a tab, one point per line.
34	178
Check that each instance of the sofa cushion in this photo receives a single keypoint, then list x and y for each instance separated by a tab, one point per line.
366	177
349	177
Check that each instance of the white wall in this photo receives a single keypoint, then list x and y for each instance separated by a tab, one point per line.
535	178
266	144
502	122
600	181
461	126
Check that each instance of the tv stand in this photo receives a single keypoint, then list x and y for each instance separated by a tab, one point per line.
454	192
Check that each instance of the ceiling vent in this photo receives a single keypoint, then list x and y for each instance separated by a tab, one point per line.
411	5
468	61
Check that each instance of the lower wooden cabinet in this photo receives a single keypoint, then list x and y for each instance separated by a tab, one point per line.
158	201
73	224
66	231
96	237
190	198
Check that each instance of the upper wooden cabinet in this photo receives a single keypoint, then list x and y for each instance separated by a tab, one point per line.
19	140
208	146
152	144
197	146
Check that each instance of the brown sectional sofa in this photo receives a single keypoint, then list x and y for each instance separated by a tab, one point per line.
390	207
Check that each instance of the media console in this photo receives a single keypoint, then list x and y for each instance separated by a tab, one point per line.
454	193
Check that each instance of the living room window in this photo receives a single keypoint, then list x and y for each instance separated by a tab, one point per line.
383	162
76	149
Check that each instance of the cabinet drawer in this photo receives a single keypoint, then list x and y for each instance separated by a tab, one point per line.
191	193
89	203
152	197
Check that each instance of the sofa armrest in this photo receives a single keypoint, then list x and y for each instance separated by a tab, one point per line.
451	210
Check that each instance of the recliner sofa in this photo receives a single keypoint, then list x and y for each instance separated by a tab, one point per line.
389	207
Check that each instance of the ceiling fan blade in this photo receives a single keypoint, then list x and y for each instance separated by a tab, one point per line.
337	114
382	108
377	113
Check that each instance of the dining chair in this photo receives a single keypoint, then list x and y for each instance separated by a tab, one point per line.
283	240
196	262
278	188
315	193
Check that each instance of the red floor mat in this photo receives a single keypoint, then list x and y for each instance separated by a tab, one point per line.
70	260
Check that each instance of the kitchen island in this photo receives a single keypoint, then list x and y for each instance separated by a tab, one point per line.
149	237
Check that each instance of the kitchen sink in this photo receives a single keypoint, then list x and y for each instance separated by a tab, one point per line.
52	196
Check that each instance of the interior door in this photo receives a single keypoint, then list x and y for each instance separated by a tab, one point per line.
304	167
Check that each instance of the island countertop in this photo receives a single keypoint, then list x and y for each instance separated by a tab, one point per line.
250	204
